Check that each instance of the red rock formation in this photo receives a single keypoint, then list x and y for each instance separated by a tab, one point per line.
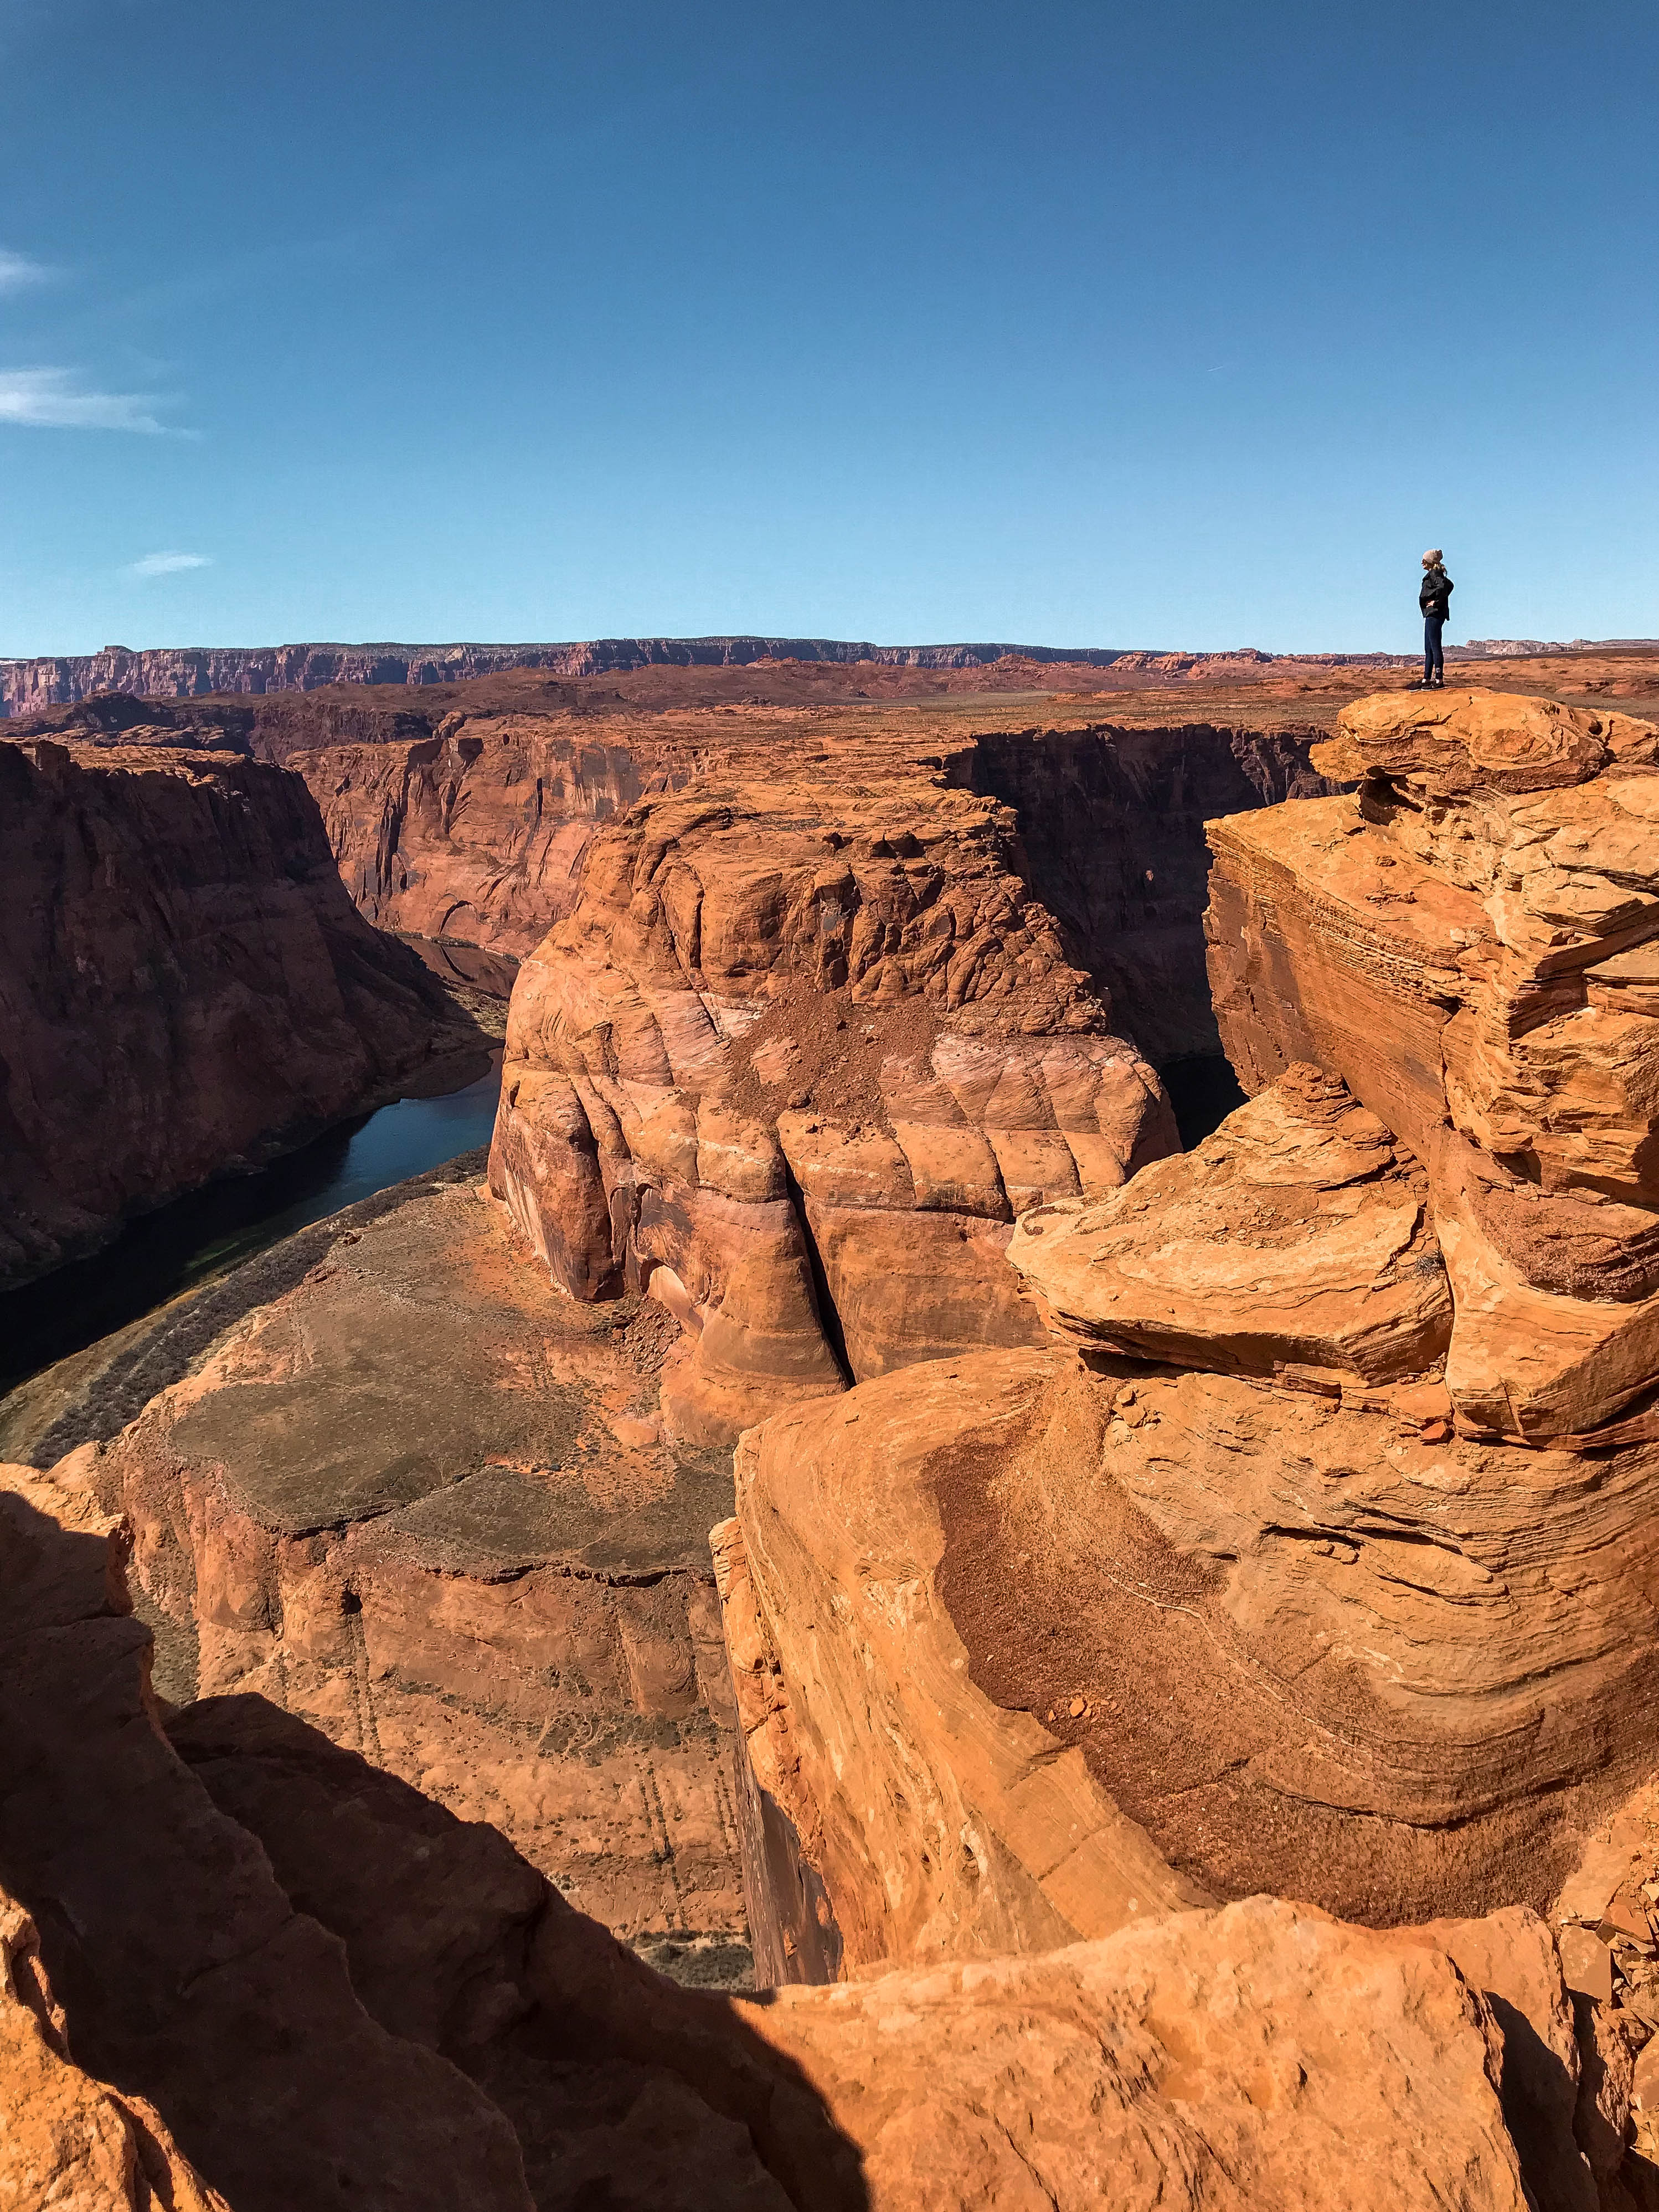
188	672
323	1990
1468	945
1282	1640
1298	1635
183	1973
185	986
798	1055
479	831
69	2139
1297	1240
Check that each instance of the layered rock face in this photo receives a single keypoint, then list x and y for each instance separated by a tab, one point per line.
186	673
186	984
1296	1242
1230	1587
1111	1551
801	1052
478	831
423	1502
1471	946
1282	1641
311	1986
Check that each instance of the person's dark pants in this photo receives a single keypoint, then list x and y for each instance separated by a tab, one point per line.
1434	662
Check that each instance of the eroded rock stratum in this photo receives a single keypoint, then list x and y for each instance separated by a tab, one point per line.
1186	1683
1313	1552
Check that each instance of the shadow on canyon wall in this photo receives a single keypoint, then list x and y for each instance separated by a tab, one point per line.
331	1991
1111	828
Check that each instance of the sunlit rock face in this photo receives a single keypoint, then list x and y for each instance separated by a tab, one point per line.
1470	945
803	1049
1241	1580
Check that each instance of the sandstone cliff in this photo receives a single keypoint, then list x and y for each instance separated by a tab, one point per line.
804	1047
312	1986
1124	1539
1471	944
479	832
1314	1551
185	986
496	1586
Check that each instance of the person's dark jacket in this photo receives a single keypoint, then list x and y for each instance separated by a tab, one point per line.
1435	598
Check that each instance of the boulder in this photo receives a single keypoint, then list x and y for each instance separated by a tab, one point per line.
1296	1237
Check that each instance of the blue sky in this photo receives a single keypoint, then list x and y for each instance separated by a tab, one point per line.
1100	324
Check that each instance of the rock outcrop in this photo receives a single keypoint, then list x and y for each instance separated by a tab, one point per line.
1471	946
1294	1241
803	1049
1017	1612
181	1972
1229	1587
318	1987
186	987
70	2139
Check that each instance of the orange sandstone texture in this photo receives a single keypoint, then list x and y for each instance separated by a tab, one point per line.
1296	1238
478	831
793	1063
424	1503
1027	1645
318	1988
1467	944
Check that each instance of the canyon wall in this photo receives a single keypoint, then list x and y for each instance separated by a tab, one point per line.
185	986
240	1967
499	1591
1473	946
1311	1549
184	672
1111	829
802	1050
1124	1542
479	832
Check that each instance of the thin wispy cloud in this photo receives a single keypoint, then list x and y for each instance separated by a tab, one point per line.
167	564
18	272
57	399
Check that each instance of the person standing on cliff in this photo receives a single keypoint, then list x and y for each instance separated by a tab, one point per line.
1435	599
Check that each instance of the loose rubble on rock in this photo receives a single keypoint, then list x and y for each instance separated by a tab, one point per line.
848	1625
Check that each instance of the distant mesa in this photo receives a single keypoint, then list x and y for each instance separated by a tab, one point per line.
26	686
196	672
1510	648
